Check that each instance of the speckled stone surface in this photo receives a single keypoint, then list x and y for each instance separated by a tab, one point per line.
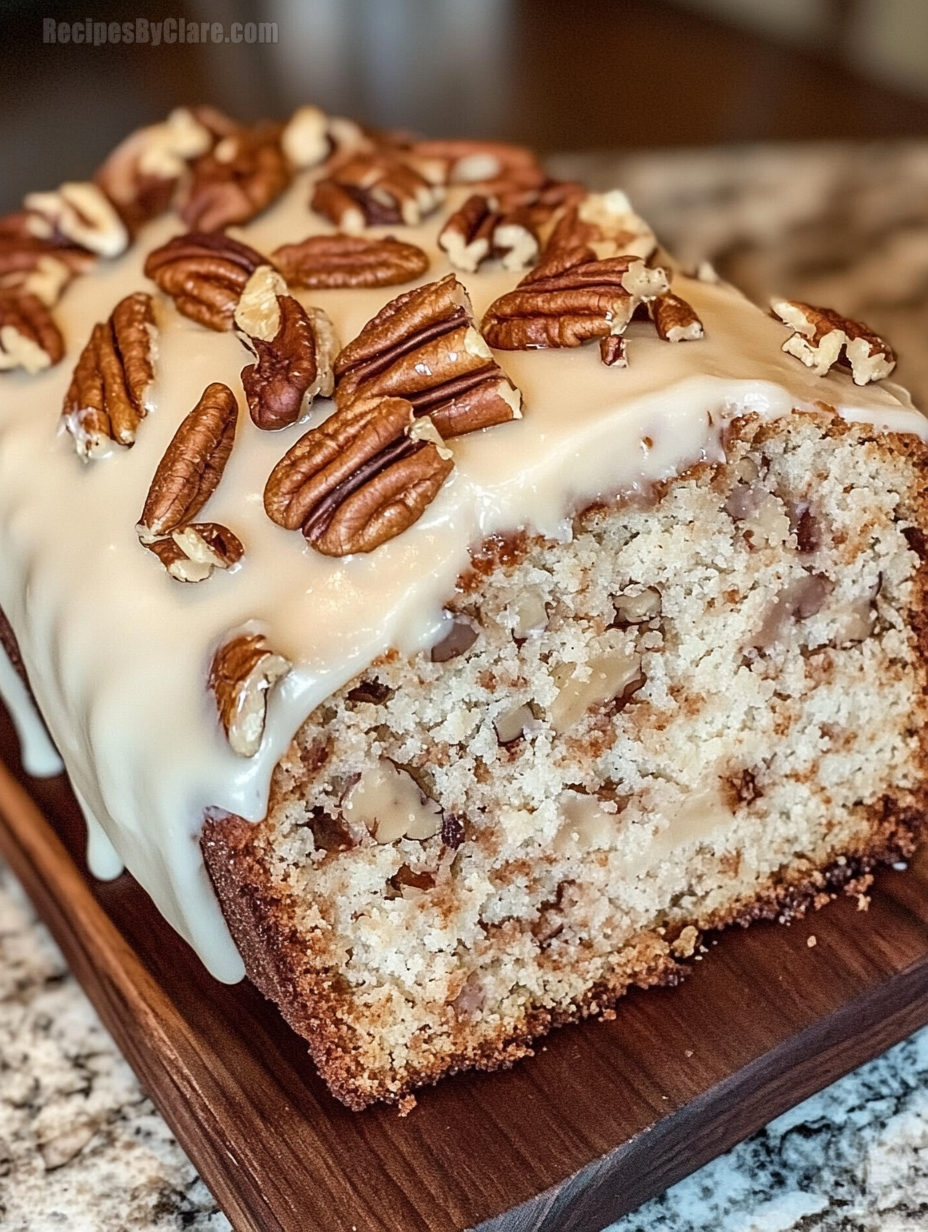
82	1148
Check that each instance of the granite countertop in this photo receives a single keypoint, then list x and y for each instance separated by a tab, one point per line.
82	1147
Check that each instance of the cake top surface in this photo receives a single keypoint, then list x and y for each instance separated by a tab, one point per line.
119	652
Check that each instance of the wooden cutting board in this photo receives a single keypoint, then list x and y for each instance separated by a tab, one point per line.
606	1115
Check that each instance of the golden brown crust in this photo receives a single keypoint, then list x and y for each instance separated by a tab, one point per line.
278	964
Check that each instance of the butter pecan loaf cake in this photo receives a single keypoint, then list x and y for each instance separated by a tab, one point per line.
445	605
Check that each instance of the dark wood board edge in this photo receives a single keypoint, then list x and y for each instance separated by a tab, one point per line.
728	1113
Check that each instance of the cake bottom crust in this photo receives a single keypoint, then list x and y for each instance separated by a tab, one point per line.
314	1006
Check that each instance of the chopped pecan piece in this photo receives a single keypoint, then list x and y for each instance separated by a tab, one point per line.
80	214
507	227
29	338
493	165
612	350
604	223
236	180
821	334
374	189
141	174
108	395
295	351
242	672
423	346
192	465
204	274
571	299
33	266
194	551
674	319
323	262
467	236
360	478
305	137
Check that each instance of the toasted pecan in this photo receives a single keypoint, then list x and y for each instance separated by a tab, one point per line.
360	478
242	672
244	172
821	334
29	338
323	262
192	465
204	274
570	300
423	346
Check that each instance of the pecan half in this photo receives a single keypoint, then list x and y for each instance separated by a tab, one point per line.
323	262
204	274
194	551
108	395
295	352
192	465
359	479
570	299
29	338
33	266
79	213
494	165
674	319
242	672
604	223
424	347
821	334
237	179
141	174
375	188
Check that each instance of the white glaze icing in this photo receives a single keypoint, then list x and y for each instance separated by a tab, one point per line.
118	653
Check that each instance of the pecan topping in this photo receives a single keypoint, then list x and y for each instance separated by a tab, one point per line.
33	266
494	165
194	551
374	189
323	262
141	174
305	137
674	319
204	274
821	333
242	672
108	395
294	351
612	351
359	479
570	299
236	180
604	223
423	346
507	227
29	338
192	465
467	236
79	213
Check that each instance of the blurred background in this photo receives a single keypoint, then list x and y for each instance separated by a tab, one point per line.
787	140
569	75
